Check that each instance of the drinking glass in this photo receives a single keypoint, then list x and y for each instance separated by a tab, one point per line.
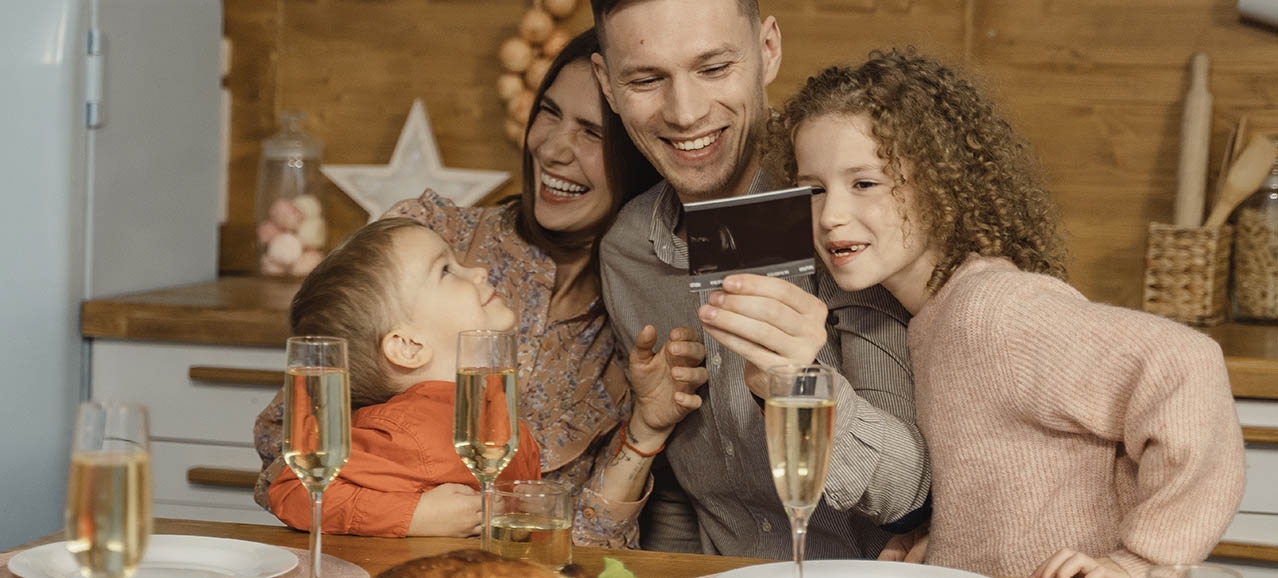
317	420
532	520
108	513
1192	571
486	414
799	415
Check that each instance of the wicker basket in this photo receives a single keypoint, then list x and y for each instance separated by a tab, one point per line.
1187	273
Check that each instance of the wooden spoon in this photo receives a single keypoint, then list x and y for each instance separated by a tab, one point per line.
1244	177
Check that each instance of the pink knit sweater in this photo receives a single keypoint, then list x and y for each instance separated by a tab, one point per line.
1054	422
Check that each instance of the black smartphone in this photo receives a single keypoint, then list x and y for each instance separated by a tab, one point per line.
766	233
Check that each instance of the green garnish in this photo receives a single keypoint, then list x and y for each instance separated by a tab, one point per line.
615	569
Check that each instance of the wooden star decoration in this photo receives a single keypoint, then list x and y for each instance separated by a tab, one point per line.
414	167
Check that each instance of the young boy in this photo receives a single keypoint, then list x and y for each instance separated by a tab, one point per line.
396	293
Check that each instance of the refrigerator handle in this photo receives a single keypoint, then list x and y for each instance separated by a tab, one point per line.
93	80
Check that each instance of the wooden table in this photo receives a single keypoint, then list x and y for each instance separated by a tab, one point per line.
377	554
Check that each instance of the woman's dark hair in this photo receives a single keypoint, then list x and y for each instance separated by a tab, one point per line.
629	172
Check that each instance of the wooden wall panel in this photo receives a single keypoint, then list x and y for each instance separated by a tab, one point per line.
1094	85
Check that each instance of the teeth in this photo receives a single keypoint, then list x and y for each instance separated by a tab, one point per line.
562	188
698	144
840	251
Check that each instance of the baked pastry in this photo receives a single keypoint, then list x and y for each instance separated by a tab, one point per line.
470	563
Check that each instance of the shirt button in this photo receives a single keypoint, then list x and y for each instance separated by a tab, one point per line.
766	526
588	513
716	360
730	450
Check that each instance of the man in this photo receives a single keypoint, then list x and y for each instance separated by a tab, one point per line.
688	79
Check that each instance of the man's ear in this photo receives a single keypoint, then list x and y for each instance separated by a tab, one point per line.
770	41
405	349
601	76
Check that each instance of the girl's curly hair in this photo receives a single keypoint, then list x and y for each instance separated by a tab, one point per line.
977	184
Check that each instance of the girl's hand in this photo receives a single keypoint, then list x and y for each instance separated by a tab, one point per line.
450	510
665	382
767	321
1068	563
908	547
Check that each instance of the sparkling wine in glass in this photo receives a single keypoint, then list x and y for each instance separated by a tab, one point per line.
317	420
799	416
486	414
108	510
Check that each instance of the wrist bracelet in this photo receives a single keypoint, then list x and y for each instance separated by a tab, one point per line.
625	425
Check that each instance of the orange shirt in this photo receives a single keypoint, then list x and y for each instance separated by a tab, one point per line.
399	450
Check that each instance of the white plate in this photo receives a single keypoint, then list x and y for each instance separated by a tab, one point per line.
846	568
169	556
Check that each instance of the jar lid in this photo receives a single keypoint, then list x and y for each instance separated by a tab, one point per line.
292	141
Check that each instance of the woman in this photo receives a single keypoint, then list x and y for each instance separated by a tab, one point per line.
540	255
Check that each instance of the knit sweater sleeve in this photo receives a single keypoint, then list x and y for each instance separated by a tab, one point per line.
1154	386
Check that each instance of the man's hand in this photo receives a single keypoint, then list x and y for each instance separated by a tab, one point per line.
767	321
908	547
1068	563
450	510
665	382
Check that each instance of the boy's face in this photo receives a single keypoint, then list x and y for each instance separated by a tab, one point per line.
861	230
687	78
441	296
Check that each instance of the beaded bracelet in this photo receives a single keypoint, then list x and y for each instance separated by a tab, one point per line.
625	424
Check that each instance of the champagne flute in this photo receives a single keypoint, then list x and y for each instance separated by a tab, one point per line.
486	414
317	420
799	415
108	514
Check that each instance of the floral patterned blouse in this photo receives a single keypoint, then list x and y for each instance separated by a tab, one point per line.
573	394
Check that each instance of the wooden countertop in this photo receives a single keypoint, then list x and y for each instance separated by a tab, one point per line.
245	311
377	554
253	311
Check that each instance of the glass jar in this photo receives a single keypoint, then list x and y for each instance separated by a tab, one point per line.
292	233
1255	271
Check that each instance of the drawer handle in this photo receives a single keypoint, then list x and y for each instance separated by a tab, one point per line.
221	477
1260	435
264	378
1240	551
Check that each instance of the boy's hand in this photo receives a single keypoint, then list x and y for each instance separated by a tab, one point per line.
450	510
908	547
665	382
767	321
1068	563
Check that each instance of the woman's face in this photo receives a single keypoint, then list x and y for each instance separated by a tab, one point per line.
565	140
859	228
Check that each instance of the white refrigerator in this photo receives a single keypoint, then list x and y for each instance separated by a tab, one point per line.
109	183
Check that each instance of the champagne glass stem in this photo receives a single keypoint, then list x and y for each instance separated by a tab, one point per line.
799	533
317	508
486	515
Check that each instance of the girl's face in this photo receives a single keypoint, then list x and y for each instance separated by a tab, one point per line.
565	141
858	226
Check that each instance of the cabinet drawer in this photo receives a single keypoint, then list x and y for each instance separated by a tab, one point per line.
1262	470
170	462
182	409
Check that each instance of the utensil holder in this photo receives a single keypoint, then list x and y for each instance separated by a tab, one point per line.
1187	273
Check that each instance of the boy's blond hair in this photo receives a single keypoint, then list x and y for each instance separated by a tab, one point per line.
353	293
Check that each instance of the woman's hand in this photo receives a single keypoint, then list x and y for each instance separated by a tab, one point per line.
767	321
450	510
1068	563
665	382
908	547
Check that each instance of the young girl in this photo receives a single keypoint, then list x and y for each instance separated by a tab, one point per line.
1067	437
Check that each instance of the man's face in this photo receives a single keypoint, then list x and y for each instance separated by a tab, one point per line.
688	79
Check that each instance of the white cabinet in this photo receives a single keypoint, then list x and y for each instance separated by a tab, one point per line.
196	424
1257	519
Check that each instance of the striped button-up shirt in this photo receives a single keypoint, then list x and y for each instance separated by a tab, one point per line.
720	498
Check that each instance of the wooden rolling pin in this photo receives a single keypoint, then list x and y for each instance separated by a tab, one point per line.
1244	177
1195	138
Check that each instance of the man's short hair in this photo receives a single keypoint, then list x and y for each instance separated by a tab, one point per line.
602	8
